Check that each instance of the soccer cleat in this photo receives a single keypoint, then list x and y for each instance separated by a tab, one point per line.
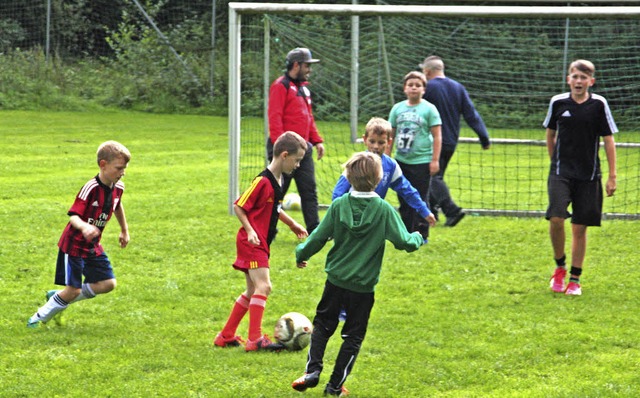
338	392
221	341
557	280
307	380
263	344
573	289
453	220
57	318
34	322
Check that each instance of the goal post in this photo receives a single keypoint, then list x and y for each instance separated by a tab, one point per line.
510	60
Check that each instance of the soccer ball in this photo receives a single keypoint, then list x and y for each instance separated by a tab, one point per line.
293	330
291	201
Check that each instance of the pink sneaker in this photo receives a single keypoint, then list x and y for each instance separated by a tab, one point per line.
557	280
221	341
573	289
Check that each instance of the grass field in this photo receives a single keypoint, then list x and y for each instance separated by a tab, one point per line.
468	315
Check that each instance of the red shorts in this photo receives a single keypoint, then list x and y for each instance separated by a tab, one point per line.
250	257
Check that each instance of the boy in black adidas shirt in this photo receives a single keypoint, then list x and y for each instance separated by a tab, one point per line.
575	122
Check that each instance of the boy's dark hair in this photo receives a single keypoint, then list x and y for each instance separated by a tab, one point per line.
414	75
289	142
583	66
378	126
110	150
364	171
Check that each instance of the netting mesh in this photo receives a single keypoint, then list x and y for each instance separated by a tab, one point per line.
511	68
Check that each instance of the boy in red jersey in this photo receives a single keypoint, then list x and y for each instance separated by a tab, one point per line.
80	252
259	209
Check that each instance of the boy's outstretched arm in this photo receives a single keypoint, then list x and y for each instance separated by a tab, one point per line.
299	230
316	241
398	235
404	189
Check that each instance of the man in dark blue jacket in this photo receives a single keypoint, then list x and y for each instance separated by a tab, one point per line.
452	100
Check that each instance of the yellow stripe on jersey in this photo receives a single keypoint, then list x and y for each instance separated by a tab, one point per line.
253	264
245	196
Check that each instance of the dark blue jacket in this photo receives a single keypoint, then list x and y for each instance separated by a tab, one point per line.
452	100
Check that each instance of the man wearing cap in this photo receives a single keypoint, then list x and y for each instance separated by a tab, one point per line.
290	110
452	100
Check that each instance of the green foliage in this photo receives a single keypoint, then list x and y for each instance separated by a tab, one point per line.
11	33
468	315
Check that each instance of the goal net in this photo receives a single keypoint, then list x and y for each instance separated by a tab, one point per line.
512	60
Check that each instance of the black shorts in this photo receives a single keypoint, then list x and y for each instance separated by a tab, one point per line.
585	198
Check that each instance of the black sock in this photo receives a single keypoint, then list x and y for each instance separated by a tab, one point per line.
575	274
561	262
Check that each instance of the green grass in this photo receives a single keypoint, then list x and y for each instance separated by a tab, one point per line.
468	315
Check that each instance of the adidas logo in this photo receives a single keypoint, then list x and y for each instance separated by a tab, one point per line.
566	114
95	204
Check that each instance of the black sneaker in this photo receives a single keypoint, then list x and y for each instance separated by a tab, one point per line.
307	380
452	221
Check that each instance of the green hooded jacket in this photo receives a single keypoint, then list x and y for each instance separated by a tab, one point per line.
359	223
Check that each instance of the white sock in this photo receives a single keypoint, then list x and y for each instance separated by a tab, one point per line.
50	308
85	293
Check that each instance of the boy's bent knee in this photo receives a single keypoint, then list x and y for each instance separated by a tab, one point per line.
105	286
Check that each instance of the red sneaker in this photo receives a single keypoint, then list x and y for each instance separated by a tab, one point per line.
573	289
557	280
221	341
263	343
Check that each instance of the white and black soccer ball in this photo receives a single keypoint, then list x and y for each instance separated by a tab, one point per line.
293	330
291	201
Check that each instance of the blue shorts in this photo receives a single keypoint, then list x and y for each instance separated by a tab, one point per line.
71	269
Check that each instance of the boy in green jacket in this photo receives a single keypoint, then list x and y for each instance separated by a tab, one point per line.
359	224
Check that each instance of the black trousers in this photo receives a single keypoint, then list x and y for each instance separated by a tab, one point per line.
439	195
420	177
325	323
305	178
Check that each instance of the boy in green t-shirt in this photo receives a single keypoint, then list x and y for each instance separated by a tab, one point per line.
359	223
418	140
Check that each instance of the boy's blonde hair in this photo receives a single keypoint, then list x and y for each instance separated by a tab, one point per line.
378	126
364	171
289	142
583	66
110	150
414	75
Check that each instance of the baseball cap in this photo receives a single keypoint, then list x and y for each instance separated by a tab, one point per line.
301	54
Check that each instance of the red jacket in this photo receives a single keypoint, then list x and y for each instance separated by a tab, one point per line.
290	110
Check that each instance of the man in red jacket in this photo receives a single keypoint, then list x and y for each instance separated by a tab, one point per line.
290	110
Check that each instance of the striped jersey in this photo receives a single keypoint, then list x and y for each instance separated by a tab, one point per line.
94	204
261	201
578	130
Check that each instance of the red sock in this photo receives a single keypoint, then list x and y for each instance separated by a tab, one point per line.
256	310
238	311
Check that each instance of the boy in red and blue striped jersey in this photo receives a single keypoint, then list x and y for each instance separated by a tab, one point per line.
80	253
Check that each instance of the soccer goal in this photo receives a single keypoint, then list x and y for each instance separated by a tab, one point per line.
512	59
